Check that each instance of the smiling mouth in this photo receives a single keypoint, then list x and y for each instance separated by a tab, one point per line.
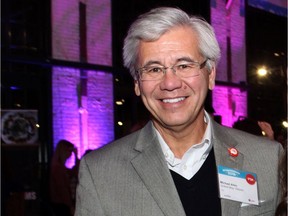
173	100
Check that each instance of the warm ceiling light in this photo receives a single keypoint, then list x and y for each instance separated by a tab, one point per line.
262	71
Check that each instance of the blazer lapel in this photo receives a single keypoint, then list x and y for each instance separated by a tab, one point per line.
221	143
153	170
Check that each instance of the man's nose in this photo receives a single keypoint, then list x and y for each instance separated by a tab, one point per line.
170	80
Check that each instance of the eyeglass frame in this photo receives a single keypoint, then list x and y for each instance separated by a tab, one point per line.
164	70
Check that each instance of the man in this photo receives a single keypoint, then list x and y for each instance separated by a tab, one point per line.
176	165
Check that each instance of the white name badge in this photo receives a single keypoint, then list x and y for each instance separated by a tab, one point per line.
238	185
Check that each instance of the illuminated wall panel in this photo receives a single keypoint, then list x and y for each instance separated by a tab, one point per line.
230	23
99	39
85	119
65	29
230	103
65	106
91	125
228	20
100	109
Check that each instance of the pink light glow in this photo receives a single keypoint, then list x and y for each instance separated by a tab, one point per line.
228	4
91	126
230	103
83	126
96	121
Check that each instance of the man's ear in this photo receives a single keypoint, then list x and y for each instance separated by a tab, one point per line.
212	77
137	88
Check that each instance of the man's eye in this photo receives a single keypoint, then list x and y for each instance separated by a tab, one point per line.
154	70
184	67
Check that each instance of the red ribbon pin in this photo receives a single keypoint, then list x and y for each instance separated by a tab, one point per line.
233	152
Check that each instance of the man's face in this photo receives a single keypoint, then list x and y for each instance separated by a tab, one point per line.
174	101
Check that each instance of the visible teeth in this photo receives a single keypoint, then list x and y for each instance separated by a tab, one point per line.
174	100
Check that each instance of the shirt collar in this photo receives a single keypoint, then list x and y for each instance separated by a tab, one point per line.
205	145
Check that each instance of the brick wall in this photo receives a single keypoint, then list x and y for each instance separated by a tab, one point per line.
228	102
90	125
230	23
65	28
65	106
99	37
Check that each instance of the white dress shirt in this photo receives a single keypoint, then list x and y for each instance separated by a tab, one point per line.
193	158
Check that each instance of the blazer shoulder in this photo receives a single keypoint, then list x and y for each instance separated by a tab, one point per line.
244	139
122	146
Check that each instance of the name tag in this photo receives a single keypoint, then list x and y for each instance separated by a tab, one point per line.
238	185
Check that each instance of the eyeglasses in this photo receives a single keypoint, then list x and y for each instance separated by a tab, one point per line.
182	70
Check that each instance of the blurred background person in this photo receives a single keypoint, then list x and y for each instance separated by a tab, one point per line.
267	129
248	125
260	128
62	179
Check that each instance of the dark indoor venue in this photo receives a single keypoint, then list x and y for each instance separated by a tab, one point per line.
62	78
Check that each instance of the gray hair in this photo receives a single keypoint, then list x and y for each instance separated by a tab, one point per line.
153	24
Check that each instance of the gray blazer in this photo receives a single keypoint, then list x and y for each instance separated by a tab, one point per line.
130	177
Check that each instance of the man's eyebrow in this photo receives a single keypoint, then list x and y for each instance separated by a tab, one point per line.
186	59
182	59
151	62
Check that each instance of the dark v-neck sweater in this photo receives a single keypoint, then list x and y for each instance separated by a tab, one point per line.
199	195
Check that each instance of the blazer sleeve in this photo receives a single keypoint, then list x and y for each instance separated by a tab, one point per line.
87	200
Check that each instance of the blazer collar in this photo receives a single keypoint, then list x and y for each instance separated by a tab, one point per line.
151	166
222	141
153	170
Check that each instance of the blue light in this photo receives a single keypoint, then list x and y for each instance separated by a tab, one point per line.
15	88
